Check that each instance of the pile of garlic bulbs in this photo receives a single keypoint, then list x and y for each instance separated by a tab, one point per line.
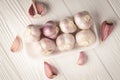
64	36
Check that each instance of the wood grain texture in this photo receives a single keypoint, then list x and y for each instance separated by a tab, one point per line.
115	5
103	61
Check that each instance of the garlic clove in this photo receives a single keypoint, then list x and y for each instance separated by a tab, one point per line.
40	7
32	34
85	38
106	29
47	46
67	25
65	42
16	45
82	58
50	30
50	71
83	20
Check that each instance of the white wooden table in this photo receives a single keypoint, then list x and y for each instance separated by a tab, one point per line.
104	60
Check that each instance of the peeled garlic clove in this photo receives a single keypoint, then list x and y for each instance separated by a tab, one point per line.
32	33
85	38
82	58
47	46
83	20
16	45
65	42
50	71
50	30
67	25
40	7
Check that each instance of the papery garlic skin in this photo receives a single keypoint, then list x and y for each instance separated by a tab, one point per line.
32	33
65	42
47	46
83	20
67	26
85	38
50	30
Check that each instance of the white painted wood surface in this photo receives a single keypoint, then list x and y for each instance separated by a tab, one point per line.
103	62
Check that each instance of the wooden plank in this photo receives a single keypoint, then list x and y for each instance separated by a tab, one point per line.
7	70
21	61
92	70
93	7
108	52
41	20
99	15
14	17
115	5
67	63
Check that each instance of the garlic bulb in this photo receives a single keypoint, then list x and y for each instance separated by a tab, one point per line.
32	33
85	38
65	42
47	46
50	30
67	25
83	20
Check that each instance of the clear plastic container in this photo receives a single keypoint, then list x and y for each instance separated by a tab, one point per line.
33	51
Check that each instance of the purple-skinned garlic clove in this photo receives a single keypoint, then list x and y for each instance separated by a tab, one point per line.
50	71
82	58
65	42
16	45
83	20
106	29
67	26
50	30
